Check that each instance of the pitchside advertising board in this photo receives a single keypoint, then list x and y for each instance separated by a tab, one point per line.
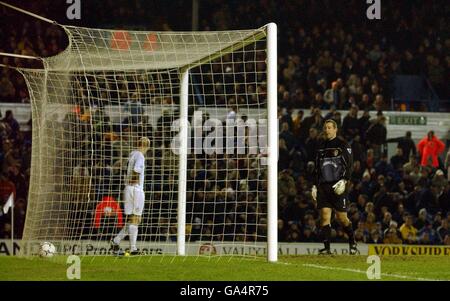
405	250
91	247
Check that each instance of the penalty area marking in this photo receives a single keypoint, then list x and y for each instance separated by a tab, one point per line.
317	266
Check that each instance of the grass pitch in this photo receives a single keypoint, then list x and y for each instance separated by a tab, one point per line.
168	268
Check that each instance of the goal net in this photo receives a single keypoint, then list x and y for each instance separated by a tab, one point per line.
206	101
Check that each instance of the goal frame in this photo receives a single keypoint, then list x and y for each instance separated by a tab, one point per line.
270	31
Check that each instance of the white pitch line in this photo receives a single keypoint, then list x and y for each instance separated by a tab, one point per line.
364	272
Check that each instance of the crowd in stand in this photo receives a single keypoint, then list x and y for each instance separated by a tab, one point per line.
15	162
324	59
325	63
404	198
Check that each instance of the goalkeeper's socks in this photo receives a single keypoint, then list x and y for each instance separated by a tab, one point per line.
349	231
133	229
121	235
326	234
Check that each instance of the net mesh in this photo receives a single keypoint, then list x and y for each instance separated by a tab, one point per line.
93	102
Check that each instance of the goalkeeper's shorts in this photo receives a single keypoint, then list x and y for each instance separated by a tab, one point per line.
134	200
327	198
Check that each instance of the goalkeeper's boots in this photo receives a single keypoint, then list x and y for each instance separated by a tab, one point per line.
325	251
353	250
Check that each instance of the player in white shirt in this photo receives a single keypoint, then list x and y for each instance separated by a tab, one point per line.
133	196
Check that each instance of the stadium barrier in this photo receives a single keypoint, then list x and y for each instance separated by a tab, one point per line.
92	247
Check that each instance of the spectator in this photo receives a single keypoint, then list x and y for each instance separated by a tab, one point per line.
414	175
443	231
444	200
284	155
309	235
447	240
437	220
361	202
6	188
296	123
311	144
422	220
429	149
391	237
410	165
286	185
406	144
369	208
341	237
408	231
375	237
287	118
359	150
106	209
370	225
287	135
427	235
8	91
350	125
382	166
387	219
281	229
447	164
398	160
439	181
364	124
376	136
359	236
12	122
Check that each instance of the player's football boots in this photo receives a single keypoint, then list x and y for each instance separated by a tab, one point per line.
353	250
325	251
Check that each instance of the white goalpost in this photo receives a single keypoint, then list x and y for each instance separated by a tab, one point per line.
208	103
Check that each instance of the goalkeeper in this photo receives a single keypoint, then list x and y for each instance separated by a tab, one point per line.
334	164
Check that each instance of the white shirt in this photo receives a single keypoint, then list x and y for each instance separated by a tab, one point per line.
231	115
136	163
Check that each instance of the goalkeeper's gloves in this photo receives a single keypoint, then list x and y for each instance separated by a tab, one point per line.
314	192
339	187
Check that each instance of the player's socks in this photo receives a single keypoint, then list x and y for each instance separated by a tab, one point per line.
121	235
326	234
349	231
133	230
351	239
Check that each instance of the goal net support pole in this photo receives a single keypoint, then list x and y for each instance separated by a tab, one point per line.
182	170
272	208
